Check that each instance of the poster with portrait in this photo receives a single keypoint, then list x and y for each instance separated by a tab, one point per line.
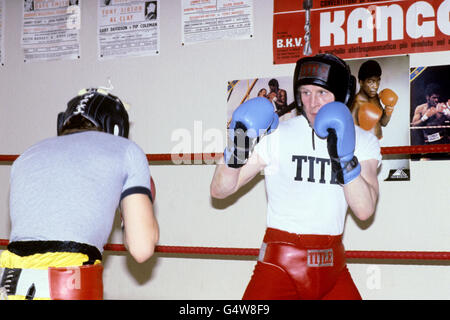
51	29
430	108
128	28
381	106
277	89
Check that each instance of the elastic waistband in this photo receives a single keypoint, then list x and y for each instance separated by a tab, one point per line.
71	283
301	240
28	248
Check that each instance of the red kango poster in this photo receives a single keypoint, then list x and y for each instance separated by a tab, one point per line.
358	28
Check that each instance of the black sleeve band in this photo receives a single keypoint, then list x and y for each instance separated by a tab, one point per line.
133	190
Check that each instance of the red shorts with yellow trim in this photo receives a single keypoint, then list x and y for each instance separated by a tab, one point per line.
52	273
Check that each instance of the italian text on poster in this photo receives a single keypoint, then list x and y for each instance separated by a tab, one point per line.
209	20
128	28
358	28
2	38
50	29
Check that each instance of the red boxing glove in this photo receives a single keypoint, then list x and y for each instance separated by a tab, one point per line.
368	115
153	189
389	98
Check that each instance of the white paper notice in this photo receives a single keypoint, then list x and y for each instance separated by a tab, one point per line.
51	29
207	20
128	28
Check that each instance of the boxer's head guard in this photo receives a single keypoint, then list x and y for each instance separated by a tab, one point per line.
103	109
326	71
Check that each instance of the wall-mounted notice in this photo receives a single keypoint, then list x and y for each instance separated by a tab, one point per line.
128	28
207	20
51	29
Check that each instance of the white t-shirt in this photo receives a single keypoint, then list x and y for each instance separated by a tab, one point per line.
301	197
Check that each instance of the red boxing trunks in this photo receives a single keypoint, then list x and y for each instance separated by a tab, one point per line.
306	267
56	270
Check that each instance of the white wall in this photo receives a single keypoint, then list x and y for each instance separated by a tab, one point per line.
185	84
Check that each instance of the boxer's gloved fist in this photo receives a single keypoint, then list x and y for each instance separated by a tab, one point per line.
369	115
446	109
272	96
389	99
250	121
431	112
334	122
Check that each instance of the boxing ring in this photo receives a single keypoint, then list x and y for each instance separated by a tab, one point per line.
210	158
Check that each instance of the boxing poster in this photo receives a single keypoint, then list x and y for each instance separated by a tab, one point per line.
382	105
430	108
128	28
277	90
358	28
209	20
51	29
390	93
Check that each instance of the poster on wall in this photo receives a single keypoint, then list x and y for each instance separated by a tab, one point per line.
381	106
430	108
128	28
277	89
209	20
384	88
2	37
358	28
51	29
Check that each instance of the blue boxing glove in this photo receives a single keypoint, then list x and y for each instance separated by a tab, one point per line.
250	121
335	122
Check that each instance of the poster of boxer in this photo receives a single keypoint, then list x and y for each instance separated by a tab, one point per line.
430	108
381	106
277	89
385	113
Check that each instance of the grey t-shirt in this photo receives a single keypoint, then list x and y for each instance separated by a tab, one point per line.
68	188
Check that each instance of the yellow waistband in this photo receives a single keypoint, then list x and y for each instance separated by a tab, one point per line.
43	260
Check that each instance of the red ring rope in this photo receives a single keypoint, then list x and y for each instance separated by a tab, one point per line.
402	255
376	255
157	157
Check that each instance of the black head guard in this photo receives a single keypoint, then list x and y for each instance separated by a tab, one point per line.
326	71
103	109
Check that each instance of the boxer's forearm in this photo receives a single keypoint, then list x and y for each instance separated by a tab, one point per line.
225	181
362	193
